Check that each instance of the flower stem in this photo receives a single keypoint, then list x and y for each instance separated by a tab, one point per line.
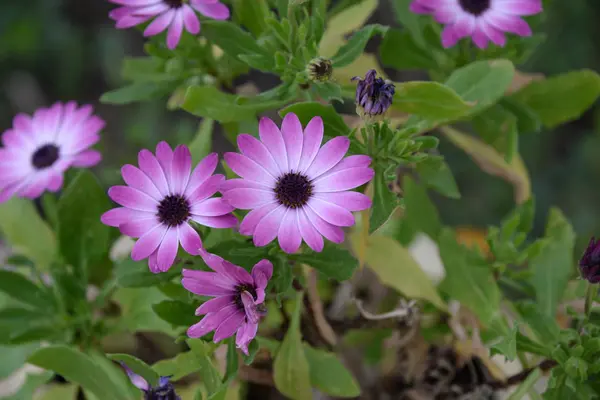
590	295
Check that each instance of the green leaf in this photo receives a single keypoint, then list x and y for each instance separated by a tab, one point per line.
527	120
498	127
242	253
210	102
202	143
83	239
420	213
232	365
329	375
13	358
332	121
561	98
178	367
395	267
409	20
23	290
469	278
26	232
544	327
77	368
137	366
400	51
30	386
176	312
350	51
435	173
384	202
253	348
334	261
20	325
290	368
251	14
136	274
525	386
132	93
553	265
136	310
328	91
524	343
210	374
230	38
143	69
507	346
430	100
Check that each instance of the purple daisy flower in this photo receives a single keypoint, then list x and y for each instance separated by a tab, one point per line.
589	264
483	20
163	391
238	299
172	14
296	189
39	149
160	200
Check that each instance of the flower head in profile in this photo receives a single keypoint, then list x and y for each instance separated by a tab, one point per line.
174	15
589	264
163	391
296	188
374	95
160	199
237	305
40	148
483	20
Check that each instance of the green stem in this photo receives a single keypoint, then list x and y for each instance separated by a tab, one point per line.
590	295
370	137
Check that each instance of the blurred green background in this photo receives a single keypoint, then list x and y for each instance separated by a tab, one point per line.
59	50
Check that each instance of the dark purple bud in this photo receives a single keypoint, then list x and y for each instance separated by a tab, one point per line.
373	95
163	391
589	264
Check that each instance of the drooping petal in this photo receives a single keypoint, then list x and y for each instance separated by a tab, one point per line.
261	274
245	334
229	327
249	307
211	321
205	283
136	379
214	305
234	273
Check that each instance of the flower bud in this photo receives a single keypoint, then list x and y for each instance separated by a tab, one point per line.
373	95
589	264
319	69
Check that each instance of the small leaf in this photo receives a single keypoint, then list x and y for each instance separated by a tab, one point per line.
332	121
356	45
384	202
253	348
137	366
430	100
176	312
210	374
334	261
400	51
290	368
202	143
420	213
134	92
23	290
436	174
230	38
251	14
329	375
136	274
232	365
178	367
561	98
409	20
524	387
77	368
396	268
507	345
242	253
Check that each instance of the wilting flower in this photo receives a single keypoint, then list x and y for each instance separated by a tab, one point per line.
160	200
589	265
319	69
295	188
172	14
39	149
163	391
483	20
238	299
373	95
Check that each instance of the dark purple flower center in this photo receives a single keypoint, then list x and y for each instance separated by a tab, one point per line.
45	156
174	3
475	7
173	210
293	190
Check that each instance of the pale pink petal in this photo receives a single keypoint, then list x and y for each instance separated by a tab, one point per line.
164	155
331	232
309	233
247	199
248	169
134	3
351	162
189	238
206	189
289	234
496	36
121	215
135	178
138	227
214	305
249	307
252	219
215	11
86	159
203	170
352	201
190	20
245	334
160	23
465	25
150	10
331	213
236	274
211	321
313	136
153	263
224	221
520	7
148	243
130	21
480	38
205	283
343	180
37	184
330	154
151	167
180	169
261	274
510	24
242	183
15	138
293	138
212	207
268	227
271	136
132	198
449	37
255	150
167	251
56	182
228	327
175	30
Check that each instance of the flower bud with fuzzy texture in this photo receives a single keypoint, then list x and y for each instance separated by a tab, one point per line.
319	69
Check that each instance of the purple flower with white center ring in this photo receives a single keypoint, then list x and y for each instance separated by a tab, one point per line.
39	149
374	95
483	20
296	188
160	200
176	15
163	391
238	300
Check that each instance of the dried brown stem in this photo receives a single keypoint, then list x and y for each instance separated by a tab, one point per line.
316	305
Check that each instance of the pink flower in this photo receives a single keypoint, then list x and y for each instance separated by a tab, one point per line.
483	20
160	200
295	188
39	149
238	299
172	14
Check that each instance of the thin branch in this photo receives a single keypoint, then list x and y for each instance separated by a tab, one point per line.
316	305
512	380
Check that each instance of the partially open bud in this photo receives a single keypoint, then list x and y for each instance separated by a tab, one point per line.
589	264
164	390
319	69
373	95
